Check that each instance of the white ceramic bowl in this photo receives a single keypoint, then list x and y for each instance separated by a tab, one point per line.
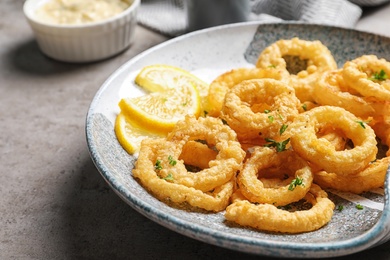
83	43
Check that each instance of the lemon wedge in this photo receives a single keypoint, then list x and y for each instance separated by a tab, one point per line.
129	134
160	77
158	112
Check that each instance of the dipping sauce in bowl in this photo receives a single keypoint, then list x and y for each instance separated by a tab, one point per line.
72	12
82	30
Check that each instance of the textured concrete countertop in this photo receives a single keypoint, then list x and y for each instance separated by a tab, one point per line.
53	202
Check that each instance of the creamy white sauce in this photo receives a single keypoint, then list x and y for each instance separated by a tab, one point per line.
72	12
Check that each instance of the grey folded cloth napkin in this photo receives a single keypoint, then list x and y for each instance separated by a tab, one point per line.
168	16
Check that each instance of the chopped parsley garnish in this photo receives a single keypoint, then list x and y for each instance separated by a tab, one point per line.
294	183
362	123
359	207
169	177
280	116
381	76
304	106
272	66
271	117
340	207
283	129
171	160
158	165
280	146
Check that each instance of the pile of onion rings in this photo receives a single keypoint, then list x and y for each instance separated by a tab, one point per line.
275	138
163	168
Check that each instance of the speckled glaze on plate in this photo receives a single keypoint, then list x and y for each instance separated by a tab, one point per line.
207	53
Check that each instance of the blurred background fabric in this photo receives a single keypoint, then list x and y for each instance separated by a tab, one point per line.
168	16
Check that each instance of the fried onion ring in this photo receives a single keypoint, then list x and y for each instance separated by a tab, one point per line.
221	85
321	152
165	190
277	192
369	178
369	76
270	218
331	89
259	108
217	136
381	127
316	58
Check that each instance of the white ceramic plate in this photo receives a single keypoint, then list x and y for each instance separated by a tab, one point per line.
207	53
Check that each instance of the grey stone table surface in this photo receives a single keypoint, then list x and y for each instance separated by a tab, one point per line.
53	202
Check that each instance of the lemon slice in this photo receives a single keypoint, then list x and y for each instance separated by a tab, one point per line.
160	77
158	112
129	134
